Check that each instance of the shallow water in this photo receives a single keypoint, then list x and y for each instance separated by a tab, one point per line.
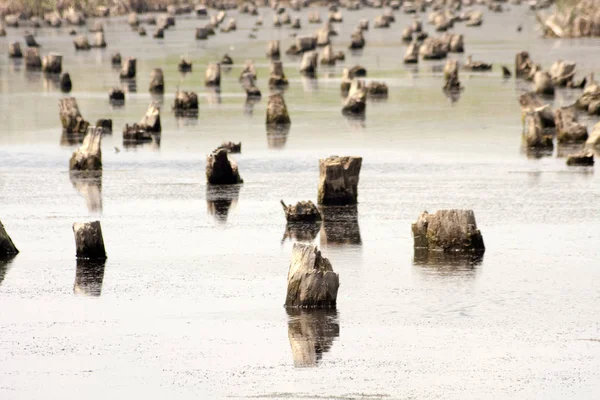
189	302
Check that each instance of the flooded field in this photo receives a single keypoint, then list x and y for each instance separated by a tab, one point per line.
189	303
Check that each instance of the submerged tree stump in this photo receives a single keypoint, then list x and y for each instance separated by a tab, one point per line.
277	113
89	156
311	280
447	230
128	70
70	117
7	247
89	242
157	81
52	63
338	182
303	211
220	170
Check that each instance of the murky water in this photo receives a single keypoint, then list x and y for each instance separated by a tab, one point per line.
189	303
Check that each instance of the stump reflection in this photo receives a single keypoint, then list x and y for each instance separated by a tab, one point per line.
220	199
311	334
277	136
5	262
90	187
89	277
301	231
340	226
438	263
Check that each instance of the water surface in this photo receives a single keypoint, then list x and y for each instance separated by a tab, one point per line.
189	303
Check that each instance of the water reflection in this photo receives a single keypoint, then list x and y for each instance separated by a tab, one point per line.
5	265
311	334
15	65
219	200
310	84
438	263
565	150
33	76
213	95
71	139
277	136
51	82
186	118
340	226
89	277
249	105
153	143
90	187
129	85
158	98
356	122
535	153
301	231
452	94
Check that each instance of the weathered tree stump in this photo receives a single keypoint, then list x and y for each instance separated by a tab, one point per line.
433	49
81	43
448	231
220	170
213	75
523	65
308	67
226	60
568	130
52	63
277	76
273	49
231	147
377	89
590	98
32	59
70	117
249	86
562	73
582	159
277	113
311	280
185	102
89	242
105	124
543	83
535	134
65	82
338	182
594	139
115	59
99	41
412	53
89	156
129	69
531	102
303	211
157	81
184	65
356	102
14	50
451	75
116	95
249	69
7	247
30	41
357	40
